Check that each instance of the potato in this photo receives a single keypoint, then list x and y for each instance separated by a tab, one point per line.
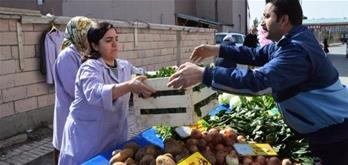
130	161
241	139
273	161
146	160
213	131
247	160
228	141
122	155
133	146
218	138
173	147
286	162
181	143
219	147
206	136
192	141
201	144
152	150
229	132
169	155
196	134
140	154
261	160
232	158
183	155
210	156
211	146
165	160
193	148
115	152
153	162
255	163
220	157
228	149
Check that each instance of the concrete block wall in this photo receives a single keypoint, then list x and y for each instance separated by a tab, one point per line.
26	100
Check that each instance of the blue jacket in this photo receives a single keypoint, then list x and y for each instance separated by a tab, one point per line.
300	77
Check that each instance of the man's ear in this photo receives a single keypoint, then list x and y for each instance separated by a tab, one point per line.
285	20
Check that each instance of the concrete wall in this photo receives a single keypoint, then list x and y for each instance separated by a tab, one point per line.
26	100
153	11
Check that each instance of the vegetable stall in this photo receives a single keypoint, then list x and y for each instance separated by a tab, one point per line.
200	126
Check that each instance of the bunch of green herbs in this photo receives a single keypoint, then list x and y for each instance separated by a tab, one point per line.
165	132
163	72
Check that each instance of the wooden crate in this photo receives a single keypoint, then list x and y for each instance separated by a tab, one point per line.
175	107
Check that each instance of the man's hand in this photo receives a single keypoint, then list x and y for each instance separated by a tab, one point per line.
187	75
204	51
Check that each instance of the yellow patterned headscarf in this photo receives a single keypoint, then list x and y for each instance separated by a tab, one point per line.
76	32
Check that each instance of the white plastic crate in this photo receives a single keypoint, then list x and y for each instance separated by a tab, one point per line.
175	107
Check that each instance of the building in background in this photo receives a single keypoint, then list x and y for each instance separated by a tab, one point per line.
223	15
45	6
334	29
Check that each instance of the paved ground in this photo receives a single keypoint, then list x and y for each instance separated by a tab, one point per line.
39	152
337	55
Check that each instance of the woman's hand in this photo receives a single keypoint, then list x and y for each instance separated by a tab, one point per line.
204	51
137	86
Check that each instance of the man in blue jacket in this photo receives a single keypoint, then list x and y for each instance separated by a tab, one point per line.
294	69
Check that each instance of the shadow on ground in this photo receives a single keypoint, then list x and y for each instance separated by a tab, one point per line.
341	63
43	160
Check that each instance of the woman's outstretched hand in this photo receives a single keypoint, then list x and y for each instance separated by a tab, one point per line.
138	86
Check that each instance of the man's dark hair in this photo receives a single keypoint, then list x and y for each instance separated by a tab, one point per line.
292	8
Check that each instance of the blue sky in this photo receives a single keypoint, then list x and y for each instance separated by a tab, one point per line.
311	8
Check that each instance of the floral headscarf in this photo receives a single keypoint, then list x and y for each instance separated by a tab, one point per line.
76	32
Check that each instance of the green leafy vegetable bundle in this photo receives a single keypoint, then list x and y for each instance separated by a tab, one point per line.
163	72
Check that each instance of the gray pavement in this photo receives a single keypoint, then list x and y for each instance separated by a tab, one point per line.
40	152
337	55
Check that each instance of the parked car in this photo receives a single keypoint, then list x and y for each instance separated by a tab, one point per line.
229	38
344	38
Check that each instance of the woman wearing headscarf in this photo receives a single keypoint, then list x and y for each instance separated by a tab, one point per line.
74	46
98	116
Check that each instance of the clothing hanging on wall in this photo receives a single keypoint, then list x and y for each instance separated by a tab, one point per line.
42	53
52	45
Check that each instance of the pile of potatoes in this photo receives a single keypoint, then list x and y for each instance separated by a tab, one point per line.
132	154
216	145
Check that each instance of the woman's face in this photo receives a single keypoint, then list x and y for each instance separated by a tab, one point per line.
108	45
